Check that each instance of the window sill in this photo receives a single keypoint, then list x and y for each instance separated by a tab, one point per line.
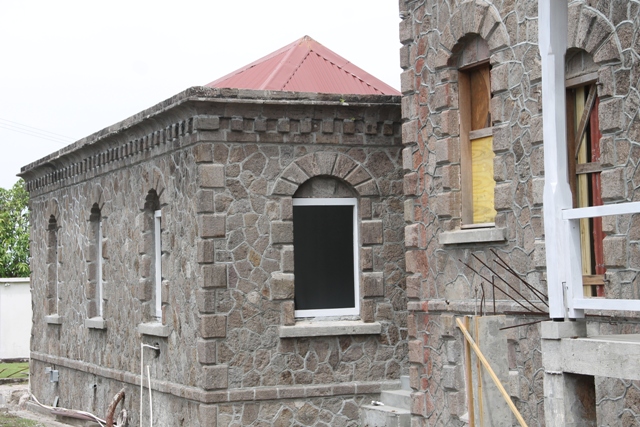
155	329
53	319
306	328
95	323
475	235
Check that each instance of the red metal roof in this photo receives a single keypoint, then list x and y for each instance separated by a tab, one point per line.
305	66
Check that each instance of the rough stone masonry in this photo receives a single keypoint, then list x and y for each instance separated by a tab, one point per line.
223	166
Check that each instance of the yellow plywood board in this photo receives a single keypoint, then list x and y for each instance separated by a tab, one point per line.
483	182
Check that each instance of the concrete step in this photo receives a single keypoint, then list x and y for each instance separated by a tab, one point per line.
404	382
385	416
396	398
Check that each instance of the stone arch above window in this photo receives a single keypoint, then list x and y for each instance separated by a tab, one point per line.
471	49
477	18
591	31
52	210
335	165
325	186
579	63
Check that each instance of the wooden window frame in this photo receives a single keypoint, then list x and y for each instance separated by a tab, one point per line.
467	135
593	279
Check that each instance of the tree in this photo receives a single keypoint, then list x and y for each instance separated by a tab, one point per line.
14	231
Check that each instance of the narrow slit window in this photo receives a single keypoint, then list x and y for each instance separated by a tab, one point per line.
157	240
53	291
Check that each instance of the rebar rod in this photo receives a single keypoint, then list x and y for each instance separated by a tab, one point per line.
522	324
543	298
509	296
506	266
505	282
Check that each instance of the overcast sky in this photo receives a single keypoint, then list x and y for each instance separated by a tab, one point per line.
72	68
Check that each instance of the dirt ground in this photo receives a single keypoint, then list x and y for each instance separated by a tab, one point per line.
11	415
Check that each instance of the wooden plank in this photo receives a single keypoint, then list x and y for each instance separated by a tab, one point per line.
466	177
584	115
479	375
593	279
483	183
582	80
480	85
586	168
492	374
469	378
481	133
596	196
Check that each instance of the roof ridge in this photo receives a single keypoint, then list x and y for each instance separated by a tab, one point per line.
293	68
349	72
277	68
297	68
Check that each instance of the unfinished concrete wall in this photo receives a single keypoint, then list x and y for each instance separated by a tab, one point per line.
225	167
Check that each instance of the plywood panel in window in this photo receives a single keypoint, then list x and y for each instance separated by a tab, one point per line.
483	183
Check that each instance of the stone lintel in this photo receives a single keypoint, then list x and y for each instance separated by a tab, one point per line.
154	329
95	323
53	319
477	235
307	328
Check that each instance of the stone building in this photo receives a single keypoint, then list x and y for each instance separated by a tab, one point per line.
480	162
170	237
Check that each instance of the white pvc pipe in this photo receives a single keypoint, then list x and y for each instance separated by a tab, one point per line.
150	400
142	346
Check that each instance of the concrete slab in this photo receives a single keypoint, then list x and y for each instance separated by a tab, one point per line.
615	356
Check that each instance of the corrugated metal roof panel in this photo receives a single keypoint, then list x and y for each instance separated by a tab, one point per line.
305	66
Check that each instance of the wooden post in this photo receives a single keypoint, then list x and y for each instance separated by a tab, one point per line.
469	377
492	374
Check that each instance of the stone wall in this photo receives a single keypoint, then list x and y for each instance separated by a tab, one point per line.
432	32
224	164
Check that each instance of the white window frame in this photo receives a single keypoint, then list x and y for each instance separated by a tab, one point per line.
99	268
350	311
157	240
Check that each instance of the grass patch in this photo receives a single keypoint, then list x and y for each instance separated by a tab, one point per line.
14	370
8	420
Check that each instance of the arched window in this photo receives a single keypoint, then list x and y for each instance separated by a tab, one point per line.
326	267
96	263
52	267
153	250
583	145
471	57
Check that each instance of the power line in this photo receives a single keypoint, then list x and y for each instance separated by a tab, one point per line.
34	131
